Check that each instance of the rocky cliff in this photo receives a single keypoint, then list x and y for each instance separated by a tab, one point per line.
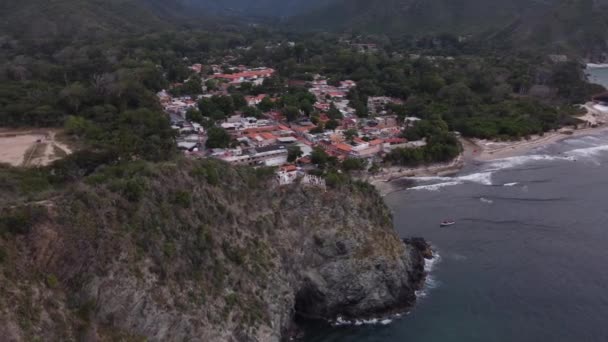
197	251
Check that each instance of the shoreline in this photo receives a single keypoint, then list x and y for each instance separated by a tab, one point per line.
474	151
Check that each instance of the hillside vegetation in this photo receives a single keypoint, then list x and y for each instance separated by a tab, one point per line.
186	250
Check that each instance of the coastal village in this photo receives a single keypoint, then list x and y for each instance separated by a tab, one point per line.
262	130
271	139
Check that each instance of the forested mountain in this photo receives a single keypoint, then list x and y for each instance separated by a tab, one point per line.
40	19
261	8
416	16
555	24
558	25
579	26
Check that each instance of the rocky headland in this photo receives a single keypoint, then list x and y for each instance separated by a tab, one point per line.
198	251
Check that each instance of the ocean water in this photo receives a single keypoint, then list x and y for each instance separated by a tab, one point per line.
598	75
526	261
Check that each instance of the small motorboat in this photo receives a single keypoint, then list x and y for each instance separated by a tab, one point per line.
447	223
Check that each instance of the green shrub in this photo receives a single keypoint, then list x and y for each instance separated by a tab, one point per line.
182	198
133	189
3	255
52	281
207	171
21	219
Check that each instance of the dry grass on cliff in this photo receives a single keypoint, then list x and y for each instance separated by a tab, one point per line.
209	243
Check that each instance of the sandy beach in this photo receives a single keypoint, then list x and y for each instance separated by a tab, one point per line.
478	150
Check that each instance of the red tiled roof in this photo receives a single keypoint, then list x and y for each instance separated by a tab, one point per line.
246	74
343	147
395	140
267	136
303	128
260	129
376	142
288	168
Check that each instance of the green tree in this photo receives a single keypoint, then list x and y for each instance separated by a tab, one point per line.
332	124
291	113
239	101
351	134
334	113
217	137
211	85
293	153
266	104
319	156
194	115
353	164
193	86
252	111
73	96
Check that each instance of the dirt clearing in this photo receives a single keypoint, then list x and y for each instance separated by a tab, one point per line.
30	147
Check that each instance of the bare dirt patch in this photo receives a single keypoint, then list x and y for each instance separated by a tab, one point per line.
30	147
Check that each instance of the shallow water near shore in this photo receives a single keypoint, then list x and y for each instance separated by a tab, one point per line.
527	259
598	75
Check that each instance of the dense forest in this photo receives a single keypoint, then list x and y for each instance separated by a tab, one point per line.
100	85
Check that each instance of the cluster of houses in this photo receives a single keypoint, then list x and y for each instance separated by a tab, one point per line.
327	95
254	76
267	141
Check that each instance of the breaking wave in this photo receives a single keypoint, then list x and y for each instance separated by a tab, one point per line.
483	178
340	321
485	200
435	187
587	152
429	282
522	199
508	163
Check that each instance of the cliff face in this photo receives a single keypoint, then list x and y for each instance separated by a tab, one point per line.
197	251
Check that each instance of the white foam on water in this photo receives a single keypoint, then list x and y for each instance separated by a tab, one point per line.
507	163
430	179
429	264
340	321
458	257
429	282
484	178
485	200
435	187
510	184
588	152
